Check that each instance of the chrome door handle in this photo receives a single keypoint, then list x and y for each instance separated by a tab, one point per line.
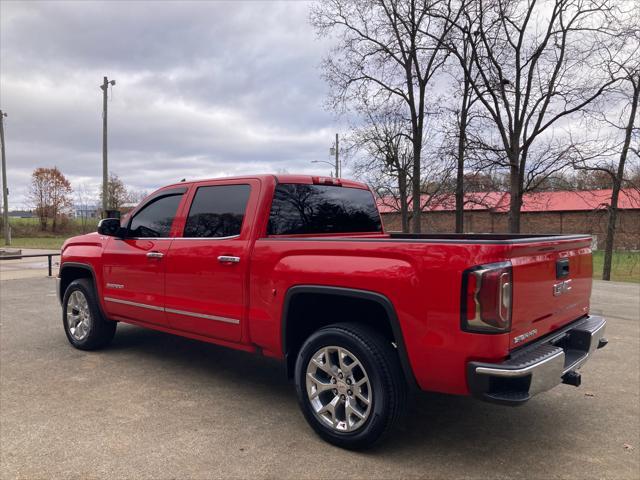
228	259
155	255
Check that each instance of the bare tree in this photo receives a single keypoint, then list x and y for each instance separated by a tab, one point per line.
533	66
136	196
118	193
384	156
85	200
466	102
387	49
39	196
631	86
559	181
633	171
456	133
50	195
622	121
586	179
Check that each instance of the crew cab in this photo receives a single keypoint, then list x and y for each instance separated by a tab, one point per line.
300	268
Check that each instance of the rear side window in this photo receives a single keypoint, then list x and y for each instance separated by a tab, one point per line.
155	218
310	209
217	211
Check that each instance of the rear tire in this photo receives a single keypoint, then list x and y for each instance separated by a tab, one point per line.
349	384
84	324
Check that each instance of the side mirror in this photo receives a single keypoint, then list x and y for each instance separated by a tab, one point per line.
110	227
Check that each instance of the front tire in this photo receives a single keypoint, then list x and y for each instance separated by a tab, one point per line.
349	384
85	326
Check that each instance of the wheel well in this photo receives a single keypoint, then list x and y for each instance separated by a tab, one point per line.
307	312
71	273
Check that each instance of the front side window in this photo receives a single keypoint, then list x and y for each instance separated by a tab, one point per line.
154	219
217	211
317	209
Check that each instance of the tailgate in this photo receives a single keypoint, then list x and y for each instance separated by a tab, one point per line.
551	287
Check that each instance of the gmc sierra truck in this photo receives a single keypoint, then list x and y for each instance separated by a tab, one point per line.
300	268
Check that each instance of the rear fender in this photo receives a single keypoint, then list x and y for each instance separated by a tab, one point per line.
377	298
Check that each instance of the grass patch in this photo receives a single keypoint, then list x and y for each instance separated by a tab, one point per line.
625	266
30	227
27	233
53	243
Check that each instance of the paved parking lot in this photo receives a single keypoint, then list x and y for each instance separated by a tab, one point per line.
28	267
157	406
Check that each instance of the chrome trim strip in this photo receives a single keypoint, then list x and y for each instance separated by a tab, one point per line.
181	238
133	304
234	321
206	238
202	315
503	372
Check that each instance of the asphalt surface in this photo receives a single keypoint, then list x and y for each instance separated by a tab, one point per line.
157	406
28	267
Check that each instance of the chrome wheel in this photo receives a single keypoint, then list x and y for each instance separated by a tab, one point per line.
338	389
78	315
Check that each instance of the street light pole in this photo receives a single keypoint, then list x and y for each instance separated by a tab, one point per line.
105	170
328	163
5	189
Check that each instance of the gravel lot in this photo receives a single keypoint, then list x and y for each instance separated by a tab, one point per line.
157	406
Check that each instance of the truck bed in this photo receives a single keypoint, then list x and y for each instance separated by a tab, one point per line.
421	274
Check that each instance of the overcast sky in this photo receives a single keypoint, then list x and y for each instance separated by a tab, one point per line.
203	89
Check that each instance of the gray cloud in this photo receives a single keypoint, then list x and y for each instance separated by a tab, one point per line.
203	89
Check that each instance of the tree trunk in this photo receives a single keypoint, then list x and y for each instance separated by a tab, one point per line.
417	125
462	141
460	174
460	192
516	199
518	162
611	231
404	204
416	210
617	185
43	222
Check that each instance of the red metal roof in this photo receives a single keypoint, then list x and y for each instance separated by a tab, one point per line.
532	202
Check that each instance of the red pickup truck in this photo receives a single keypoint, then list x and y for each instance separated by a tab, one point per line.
300	268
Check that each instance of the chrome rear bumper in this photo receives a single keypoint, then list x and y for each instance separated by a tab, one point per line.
539	366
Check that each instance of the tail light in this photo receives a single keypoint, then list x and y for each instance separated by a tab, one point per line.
486	298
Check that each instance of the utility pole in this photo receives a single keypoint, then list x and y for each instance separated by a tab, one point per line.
335	150
105	170
337	158
5	189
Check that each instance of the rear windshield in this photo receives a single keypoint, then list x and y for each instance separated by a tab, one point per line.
311	209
